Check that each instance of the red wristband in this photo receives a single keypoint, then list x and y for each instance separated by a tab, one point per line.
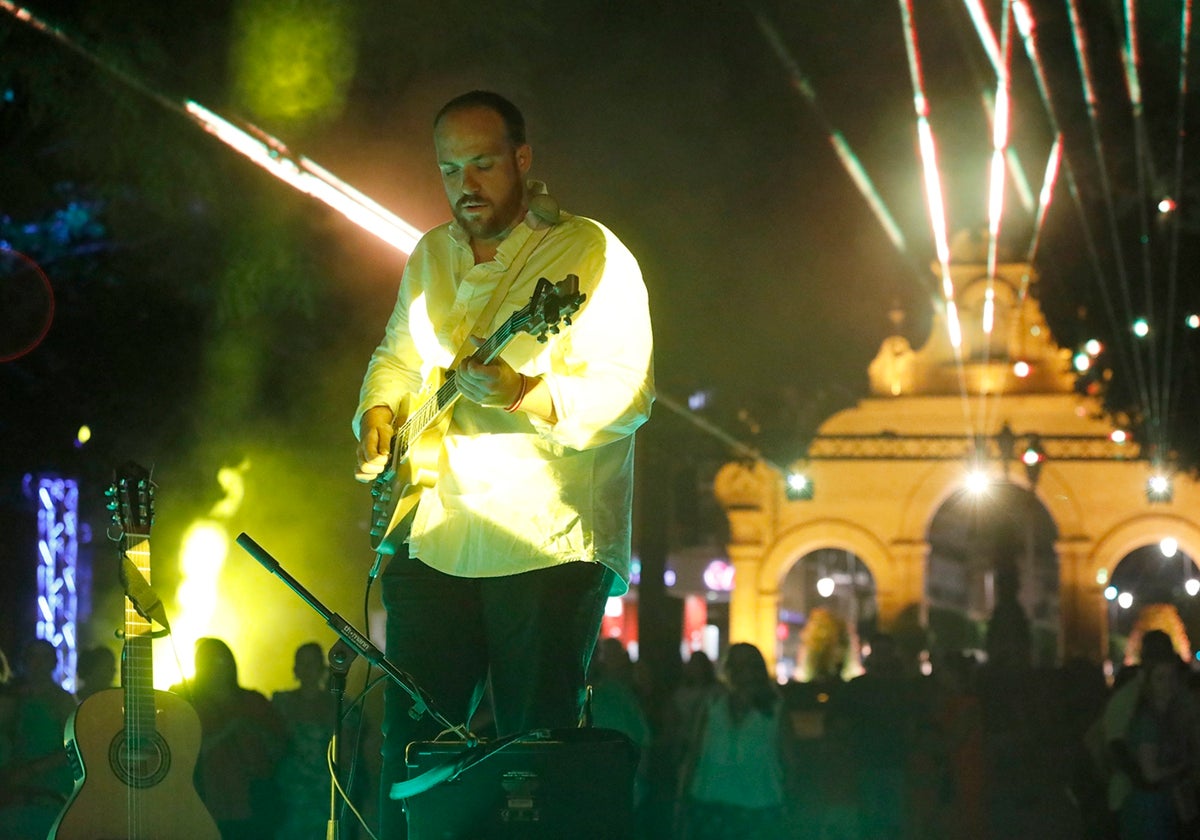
520	394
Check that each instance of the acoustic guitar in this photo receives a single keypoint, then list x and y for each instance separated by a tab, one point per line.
417	436
133	749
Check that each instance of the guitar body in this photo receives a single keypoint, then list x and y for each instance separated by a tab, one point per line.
142	793
413	470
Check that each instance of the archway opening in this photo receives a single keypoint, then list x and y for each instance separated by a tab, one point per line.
991	585
827	608
1153	587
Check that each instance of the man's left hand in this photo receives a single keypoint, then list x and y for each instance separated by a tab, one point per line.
495	385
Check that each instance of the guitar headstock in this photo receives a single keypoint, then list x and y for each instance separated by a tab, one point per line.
131	500
552	304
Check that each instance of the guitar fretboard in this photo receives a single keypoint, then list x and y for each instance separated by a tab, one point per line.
137	671
424	417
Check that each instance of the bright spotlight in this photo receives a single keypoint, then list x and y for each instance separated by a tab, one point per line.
825	586
1110	593
1166	205
1082	362
1193	321
1168	546
1158	488
977	482
1118	436
1191	586
799	487
1093	347
1141	328
1125	600
1102	577
1021	369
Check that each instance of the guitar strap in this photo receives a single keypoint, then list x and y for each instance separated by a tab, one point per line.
514	268
137	589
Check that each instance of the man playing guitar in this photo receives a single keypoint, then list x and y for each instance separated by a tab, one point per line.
504	566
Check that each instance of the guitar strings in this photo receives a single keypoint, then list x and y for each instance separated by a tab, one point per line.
448	392
137	672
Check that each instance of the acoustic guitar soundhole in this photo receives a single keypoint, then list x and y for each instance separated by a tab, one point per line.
139	763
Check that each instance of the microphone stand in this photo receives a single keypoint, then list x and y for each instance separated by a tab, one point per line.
422	703
355	640
357	643
341	657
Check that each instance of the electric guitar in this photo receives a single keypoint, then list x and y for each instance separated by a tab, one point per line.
133	749
417	441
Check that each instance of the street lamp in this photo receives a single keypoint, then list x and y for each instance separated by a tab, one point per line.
1033	457
825	586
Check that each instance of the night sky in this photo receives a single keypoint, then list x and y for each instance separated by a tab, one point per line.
208	316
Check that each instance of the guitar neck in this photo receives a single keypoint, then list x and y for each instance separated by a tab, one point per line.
427	414
137	667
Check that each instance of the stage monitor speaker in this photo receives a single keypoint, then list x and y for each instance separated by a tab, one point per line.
578	785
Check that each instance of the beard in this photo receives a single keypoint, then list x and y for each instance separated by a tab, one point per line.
499	216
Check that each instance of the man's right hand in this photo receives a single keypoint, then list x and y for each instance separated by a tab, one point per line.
375	443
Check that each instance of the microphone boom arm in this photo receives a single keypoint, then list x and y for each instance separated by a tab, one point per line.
361	645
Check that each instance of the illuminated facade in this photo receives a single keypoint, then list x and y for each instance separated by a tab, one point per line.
882	470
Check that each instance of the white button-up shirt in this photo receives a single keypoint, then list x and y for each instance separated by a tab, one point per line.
515	493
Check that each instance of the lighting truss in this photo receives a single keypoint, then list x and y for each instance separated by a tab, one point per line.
57	555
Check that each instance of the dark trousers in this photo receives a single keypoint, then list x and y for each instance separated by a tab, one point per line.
532	633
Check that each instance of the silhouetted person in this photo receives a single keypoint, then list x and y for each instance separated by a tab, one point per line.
95	670
35	778
698	683
303	775
1150	726
242	740
875	719
673	722
736	778
958	715
615	702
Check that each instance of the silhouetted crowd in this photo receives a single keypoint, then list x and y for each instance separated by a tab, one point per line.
262	770
969	750
966	750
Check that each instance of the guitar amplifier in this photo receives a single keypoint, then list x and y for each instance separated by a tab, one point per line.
577	784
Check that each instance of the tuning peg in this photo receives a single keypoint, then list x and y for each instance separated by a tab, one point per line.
567	320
